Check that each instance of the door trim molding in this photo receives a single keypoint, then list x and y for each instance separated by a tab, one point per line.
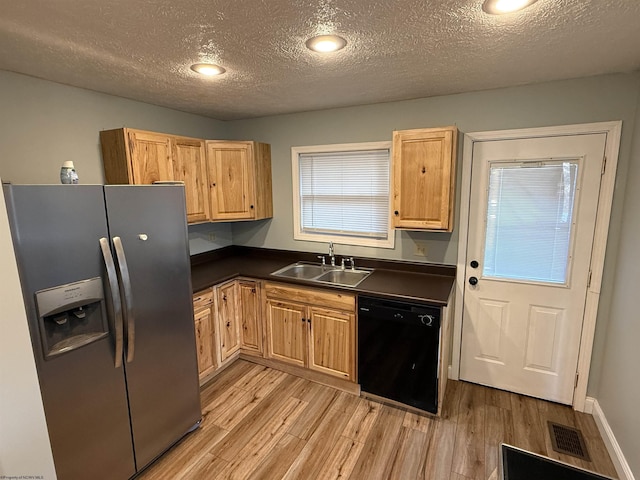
613	132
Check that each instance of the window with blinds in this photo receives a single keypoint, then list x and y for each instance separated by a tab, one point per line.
343	194
530	221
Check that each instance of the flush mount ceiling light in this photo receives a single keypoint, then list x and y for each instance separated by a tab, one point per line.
326	43
498	7
208	69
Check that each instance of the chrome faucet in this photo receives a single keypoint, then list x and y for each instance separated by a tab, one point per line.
331	255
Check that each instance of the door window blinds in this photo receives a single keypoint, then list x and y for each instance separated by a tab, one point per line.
530	221
345	193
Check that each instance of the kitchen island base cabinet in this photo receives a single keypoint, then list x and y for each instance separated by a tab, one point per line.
311	328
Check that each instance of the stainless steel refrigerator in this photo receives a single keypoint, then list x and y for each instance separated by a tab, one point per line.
106	283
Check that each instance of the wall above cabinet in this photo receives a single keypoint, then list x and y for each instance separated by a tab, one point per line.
424	176
224	180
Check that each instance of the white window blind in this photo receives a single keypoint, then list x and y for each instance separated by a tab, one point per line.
345	193
530	221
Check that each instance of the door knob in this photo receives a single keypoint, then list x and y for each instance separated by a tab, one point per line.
473	281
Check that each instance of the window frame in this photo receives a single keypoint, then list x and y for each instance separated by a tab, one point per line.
298	234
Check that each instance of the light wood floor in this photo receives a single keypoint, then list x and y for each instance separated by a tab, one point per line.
260	423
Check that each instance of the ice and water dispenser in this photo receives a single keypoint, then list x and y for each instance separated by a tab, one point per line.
71	315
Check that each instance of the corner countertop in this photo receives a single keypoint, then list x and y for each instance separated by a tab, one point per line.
425	283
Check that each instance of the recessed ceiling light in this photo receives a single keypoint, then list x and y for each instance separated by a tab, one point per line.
498	7
209	69
326	43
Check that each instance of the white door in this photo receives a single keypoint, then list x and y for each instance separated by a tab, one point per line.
532	216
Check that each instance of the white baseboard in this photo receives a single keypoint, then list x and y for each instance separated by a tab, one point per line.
615	452
588	405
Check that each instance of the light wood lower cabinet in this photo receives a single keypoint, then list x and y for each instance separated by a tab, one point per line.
250	317
311	328
227	319
204	327
286	332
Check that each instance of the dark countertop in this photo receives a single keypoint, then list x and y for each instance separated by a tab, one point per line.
420	282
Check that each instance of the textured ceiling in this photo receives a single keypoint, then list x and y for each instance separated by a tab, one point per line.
397	49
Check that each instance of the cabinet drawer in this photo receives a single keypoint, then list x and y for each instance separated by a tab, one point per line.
326	298
203	298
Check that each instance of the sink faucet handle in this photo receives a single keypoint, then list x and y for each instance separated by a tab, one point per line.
353	263
343	261
321	257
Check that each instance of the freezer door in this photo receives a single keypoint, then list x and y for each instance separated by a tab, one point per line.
148	224
56	231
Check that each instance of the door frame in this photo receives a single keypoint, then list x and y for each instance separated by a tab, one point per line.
613	132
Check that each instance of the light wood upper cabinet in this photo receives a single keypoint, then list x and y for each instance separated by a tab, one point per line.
312	328
286	332
224	180
424	163
205	335
227	319
136	157
189	166
239	175
250	317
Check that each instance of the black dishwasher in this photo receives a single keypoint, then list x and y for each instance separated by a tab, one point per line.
398	351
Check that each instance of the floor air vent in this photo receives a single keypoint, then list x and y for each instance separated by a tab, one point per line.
568	440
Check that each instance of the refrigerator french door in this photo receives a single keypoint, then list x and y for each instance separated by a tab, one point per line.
106	282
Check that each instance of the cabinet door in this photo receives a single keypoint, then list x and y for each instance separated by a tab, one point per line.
189	167
150	155
227	320
250	321
286	327
230	174
332	342
204	341
424	178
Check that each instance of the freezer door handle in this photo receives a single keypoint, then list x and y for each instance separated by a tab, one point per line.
125	282
115	299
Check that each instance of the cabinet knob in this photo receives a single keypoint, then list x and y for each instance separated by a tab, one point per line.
224	298
228	324
253	290
213	184
251	206
303	320
396	213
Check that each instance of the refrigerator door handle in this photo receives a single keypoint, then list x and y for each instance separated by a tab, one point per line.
115	299
125	282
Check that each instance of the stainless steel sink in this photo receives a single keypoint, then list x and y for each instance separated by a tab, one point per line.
304	271
349	278
323	274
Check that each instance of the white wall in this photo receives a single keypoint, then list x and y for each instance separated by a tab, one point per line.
619	389
24	441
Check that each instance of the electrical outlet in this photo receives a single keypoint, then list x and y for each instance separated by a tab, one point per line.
211	236
420	249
